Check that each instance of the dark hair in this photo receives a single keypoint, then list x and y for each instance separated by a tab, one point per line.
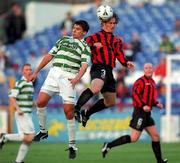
113	16
116	17
15	4
83	24
26	64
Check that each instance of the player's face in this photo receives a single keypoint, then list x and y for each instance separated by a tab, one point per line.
148	70
110	25
77	32
27	71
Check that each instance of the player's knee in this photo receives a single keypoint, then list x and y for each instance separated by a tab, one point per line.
69	114
155	137
28	138
69	111
40	103
95	90
112	103
134	139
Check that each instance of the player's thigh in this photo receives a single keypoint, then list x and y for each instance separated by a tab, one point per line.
109	83
66	90
43	98
24	123
28	138
50	85
135	134
98	76
109	98
96	85
138	120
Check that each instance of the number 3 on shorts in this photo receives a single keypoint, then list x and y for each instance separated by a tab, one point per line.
103	73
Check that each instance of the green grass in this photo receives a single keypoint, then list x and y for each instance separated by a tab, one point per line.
90	153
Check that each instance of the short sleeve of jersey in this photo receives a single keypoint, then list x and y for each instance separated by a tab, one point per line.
86	54
55	48
16	90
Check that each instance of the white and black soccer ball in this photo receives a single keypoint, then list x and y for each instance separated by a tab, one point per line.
104	12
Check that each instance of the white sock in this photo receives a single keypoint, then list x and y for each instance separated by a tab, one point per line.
41	112
71	132
14	137
23	149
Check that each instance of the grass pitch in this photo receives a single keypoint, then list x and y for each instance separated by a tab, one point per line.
91	153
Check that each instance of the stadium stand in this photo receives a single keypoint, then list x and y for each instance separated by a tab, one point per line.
149	21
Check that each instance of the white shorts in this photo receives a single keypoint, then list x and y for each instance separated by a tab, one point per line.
57	83
24	123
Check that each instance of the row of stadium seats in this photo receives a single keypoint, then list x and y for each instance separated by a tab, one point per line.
149	21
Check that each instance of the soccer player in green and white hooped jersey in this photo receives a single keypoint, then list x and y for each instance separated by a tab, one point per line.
71	56
69	53
21	96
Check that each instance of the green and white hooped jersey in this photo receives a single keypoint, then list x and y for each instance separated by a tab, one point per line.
69	53
23	92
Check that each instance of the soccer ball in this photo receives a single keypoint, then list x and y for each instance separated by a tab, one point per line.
104	12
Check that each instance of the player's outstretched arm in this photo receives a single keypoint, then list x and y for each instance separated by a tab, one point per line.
46	59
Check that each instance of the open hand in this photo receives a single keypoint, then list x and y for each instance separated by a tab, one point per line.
130	65
74	81
159	105
32	77
19	112
98	45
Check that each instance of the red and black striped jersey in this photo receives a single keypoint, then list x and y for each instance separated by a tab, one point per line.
112	49
144	92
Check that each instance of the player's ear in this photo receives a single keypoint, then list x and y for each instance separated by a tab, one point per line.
83	32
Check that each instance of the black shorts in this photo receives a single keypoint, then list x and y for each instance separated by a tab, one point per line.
141	119
104	73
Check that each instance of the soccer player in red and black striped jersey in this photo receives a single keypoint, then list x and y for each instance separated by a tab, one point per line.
144	98
105	49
